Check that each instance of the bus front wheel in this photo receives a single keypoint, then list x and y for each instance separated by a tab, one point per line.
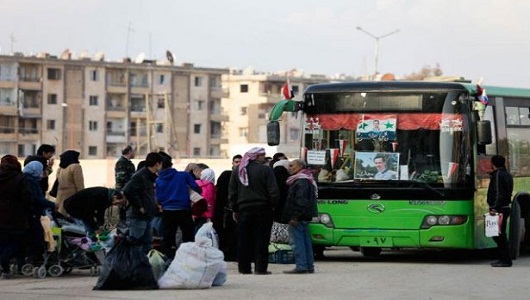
370	251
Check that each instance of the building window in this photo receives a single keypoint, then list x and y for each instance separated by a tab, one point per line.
244	110
21	150
160	128
92	125
54	74
52	98
196	151
262	115
295	89
93	101
50	124
132	128
161	102
92	150
243	132
199	104
197	128
94	75
243	88
198	81
294	134
161	79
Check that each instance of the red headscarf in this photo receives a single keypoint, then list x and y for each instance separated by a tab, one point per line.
10	162
251	154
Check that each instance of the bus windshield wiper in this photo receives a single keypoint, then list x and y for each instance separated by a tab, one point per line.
428	187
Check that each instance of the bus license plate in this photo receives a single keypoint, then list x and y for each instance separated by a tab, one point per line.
376	242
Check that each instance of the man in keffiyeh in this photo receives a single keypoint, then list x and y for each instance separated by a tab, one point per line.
300	207
253	193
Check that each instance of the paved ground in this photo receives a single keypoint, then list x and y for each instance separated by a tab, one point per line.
342	275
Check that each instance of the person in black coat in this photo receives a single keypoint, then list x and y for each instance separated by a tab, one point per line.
223	223
89	205
499	198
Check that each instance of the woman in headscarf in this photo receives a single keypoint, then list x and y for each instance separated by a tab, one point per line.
209	193
14	211
70	178
33	172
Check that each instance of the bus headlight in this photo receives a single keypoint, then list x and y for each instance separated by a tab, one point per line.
432	220
325	219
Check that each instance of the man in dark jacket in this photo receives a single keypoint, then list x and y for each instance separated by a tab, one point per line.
300	208
89	205
140	195
499	198
253	192
123	171
44	155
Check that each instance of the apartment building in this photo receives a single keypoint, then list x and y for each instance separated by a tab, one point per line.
98	107
251	97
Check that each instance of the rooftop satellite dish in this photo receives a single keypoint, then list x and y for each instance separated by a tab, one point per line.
100	56
140	58
66	54
170	57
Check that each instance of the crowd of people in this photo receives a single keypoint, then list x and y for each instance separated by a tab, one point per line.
156	199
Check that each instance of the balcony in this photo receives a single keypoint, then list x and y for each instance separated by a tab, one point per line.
30	85
219	92
28	134
219	118
7	84
7	134
271	97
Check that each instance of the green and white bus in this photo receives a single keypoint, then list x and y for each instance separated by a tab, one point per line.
436	140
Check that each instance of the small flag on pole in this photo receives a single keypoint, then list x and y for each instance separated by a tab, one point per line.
481	95
287	91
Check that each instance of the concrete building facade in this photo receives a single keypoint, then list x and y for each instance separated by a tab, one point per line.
251	97
98	107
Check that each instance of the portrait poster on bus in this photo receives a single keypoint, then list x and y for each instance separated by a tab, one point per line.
376	165
377	127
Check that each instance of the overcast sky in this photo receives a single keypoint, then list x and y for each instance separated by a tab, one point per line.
470	38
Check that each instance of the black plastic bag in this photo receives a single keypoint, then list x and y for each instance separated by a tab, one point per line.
126	267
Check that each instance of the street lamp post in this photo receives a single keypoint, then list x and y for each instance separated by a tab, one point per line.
377	38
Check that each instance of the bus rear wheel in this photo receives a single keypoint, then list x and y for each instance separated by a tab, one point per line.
370	251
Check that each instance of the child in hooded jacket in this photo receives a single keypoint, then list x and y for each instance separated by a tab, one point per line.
207	184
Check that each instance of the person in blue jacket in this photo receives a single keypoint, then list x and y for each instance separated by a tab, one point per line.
172	194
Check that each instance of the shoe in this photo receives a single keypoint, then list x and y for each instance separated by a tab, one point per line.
501	265
245	273
496	262
297	271
310	271
262	273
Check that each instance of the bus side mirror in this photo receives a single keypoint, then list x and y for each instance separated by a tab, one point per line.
273	133
484	132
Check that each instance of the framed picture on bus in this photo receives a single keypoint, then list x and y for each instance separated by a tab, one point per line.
376	165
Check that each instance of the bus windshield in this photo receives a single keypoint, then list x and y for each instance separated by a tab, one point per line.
389	138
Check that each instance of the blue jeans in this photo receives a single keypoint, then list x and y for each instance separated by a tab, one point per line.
302	247
141	233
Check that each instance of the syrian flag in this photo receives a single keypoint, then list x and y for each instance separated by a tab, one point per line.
481	95
287	91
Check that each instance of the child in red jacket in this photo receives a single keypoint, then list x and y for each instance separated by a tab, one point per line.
207	184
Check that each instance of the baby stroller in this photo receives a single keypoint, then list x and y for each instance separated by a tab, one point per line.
74	250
